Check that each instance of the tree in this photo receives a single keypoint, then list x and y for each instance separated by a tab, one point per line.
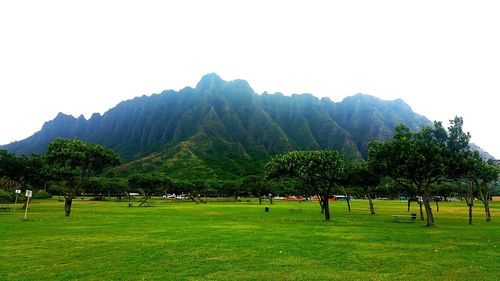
94	186
362	175
231	188
19	171
116	186
467	169
319	170
12	170
413	160
481	175
148	184
73	161
489	176
257	186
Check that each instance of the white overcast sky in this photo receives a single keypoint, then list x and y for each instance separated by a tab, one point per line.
80	57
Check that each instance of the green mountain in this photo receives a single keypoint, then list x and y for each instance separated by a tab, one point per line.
225	130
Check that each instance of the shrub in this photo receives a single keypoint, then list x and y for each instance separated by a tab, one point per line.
6	196
98	198
41	194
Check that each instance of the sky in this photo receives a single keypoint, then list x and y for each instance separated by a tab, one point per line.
81	57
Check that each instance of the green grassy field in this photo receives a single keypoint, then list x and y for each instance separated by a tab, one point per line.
239	241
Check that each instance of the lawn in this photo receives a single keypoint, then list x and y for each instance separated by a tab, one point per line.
239	241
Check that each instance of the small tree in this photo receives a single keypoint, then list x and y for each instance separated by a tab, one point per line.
480	177
13	170
116	186
232	188
148	184
319	170
73	161
94	186
257	186
360	174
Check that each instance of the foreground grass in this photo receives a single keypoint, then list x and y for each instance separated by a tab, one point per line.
239	241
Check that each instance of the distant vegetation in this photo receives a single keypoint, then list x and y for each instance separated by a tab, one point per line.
419	165
224	130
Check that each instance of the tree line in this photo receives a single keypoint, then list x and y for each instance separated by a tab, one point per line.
419	163
431	162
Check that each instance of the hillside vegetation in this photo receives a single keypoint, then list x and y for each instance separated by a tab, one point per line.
223	129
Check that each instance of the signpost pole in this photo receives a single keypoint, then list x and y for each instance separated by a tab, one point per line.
26	211
29	193
15	202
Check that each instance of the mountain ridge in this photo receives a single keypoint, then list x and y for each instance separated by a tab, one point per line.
224	129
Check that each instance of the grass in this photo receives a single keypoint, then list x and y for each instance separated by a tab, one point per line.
239	241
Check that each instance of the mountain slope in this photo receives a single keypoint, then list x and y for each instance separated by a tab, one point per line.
224	129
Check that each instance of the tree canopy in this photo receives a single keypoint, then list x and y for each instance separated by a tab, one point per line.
73	161
318	170
415	160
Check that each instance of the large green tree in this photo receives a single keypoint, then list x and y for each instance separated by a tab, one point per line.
465	167
72	161
319	170
414	160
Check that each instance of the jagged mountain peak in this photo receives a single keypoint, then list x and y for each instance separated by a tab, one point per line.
63	116
209	80
224	129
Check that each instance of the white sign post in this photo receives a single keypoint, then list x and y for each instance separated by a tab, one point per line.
28	194
18	191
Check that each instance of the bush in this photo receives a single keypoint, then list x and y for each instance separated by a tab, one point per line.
41	194
6	196
97	198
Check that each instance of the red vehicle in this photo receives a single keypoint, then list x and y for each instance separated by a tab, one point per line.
332	198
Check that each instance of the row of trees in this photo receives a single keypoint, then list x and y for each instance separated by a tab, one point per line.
432	161
71	167
418	162
70	163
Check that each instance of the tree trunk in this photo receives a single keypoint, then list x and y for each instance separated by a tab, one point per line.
235	197
428	211
271	199
260	200
321	205
347	199
193	198
486	205
146	197
372	210
470	212
409	203
67	205
437	205
421	212
470	204
326	207
487	211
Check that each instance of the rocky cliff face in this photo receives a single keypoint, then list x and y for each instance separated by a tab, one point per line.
224	129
